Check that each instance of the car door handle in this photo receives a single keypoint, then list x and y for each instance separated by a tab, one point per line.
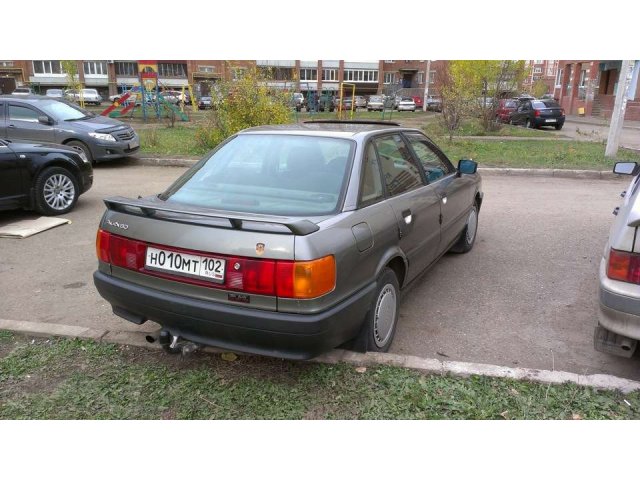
616	210
11	126
407	216
623	194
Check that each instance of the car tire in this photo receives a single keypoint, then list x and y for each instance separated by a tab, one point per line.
83	147
527	123
468	235
559	127
381	320
56	191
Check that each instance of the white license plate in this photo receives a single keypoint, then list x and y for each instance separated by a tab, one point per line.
550	120
134	144
185	264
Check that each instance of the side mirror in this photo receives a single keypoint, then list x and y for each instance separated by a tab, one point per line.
468	167
43	119
625	168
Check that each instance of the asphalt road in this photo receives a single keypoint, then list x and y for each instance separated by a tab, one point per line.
525	296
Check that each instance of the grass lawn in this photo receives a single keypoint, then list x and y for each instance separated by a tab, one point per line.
73	379
534	154
180	141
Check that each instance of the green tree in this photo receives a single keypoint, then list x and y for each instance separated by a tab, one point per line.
474	87
247	101
70	67
539	89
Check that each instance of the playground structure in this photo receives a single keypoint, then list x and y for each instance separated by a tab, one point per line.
318	101
152	103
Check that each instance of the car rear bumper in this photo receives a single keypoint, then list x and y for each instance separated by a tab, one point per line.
542	122
284	335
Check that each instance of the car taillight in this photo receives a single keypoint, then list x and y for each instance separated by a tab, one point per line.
536	113
309	279
624	266
282	278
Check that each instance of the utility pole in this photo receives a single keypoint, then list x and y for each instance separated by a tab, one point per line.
426	87
617	119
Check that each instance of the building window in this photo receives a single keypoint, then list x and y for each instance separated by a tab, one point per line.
127	69
432	76
364	76
47	67
330	74
95	68
420	78
558	78
582	88
206	69
6	63
388	78
309	74
389	61
172	70
537	70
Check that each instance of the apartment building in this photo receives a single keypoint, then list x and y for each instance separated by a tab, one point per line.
544	71
588	87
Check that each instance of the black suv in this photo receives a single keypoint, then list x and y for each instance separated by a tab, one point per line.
42	177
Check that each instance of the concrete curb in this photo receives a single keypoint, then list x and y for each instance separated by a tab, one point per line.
535	172
425	365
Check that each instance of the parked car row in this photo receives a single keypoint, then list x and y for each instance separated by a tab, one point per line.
331	102
47	148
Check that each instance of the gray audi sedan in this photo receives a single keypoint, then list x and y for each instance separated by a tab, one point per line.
288	240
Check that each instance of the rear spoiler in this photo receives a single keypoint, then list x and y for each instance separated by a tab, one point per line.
148	208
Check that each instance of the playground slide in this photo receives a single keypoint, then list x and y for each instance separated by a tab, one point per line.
183	116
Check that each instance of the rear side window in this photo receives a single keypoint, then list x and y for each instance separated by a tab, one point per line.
371	190
22	114
398	170
292	175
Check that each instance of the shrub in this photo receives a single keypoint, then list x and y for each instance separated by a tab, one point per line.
246	102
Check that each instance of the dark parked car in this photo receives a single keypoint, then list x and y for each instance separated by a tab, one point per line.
325	102
42	177
42	119
289	240
434	103
538	113
205	102
506	107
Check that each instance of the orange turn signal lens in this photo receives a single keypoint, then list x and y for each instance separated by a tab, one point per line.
102	245
308	279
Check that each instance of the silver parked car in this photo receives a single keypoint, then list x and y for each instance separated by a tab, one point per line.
376	102
87	95
46	120
618	329
289	240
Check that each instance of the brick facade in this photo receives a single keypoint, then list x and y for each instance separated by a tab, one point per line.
588	87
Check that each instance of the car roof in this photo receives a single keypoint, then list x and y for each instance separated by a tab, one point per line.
332	128
28	98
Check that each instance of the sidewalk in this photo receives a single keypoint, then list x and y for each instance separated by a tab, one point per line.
602	122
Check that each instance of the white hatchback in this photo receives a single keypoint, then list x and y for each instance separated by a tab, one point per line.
407	104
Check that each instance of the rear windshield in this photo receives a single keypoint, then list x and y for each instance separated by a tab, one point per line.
290	175
375	99
545	104
510	104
